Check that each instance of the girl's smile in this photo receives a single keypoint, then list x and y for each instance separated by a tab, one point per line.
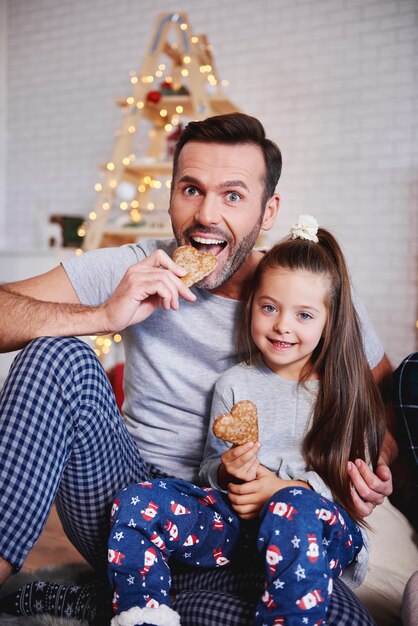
289	314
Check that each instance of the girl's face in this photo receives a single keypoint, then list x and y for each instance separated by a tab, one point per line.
288	318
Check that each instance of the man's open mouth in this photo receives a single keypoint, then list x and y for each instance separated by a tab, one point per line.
208	244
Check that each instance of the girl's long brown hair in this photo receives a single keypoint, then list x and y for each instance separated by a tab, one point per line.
348	420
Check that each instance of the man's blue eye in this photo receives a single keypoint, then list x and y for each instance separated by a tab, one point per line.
233	196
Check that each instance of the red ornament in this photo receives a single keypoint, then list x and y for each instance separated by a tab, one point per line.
166	86
153	96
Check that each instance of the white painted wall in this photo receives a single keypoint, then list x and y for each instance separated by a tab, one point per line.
334	81
3	116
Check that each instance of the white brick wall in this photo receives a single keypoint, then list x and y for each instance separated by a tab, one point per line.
334	81
3	117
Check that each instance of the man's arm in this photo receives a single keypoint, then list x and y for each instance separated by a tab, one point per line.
36	307
47	305
369	488
383	375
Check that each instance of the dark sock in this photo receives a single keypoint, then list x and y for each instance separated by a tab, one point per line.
90	602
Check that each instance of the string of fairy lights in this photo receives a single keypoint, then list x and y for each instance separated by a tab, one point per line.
130	197
135	201
103	345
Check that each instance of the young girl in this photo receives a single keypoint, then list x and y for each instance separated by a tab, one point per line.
286	503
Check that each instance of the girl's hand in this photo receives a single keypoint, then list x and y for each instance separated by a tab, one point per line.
239	463
248	499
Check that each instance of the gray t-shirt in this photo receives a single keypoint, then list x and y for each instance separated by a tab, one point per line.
284	409
172	359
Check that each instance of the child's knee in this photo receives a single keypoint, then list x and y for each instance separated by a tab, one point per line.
292	509
141	498
286	502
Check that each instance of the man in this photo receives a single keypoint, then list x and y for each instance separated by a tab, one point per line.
61	437
406	409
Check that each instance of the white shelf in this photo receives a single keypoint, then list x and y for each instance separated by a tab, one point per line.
138	230
20	264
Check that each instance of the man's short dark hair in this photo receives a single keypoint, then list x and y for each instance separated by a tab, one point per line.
235	128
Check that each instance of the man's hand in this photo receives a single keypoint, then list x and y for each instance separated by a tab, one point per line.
151	283
248	499
368	488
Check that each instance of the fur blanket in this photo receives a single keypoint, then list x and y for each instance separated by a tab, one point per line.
69	574
43	620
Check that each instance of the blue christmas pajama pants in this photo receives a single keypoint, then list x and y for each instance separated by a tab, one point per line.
303	540
62	440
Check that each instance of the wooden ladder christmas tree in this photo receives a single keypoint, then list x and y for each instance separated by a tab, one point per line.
177	82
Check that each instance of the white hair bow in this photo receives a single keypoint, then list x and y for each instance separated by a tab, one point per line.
306	228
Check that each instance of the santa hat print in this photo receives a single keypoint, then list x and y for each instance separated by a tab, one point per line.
179	509
273	557
150	512
191	540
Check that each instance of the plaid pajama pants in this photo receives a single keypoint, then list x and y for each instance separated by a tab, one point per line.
62	439
406	408
405	402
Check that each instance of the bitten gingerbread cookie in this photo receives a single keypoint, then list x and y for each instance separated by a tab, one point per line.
198	264
240	425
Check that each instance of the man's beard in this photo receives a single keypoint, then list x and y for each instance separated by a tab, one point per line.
237	256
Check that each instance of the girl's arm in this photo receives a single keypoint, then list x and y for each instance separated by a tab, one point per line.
247	499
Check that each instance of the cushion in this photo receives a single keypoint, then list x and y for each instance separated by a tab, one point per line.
393	559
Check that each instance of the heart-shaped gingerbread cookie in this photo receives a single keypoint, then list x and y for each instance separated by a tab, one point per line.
238	426
198	264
